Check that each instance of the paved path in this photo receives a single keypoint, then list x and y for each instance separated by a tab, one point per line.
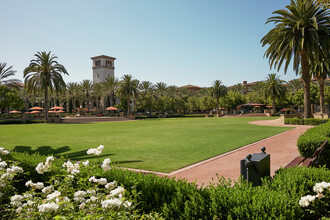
281	147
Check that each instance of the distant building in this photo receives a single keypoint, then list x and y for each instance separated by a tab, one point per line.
103	68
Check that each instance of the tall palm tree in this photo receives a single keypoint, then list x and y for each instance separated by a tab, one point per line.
146	89
321	70
160	89
301	31
44	73
217	91
71	89
97	95
128	88
110	86
87	86
7	72
273	88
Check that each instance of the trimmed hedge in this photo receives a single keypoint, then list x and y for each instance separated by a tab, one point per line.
313	138
301	121
276	198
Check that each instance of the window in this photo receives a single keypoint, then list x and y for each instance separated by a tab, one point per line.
108	63
98	63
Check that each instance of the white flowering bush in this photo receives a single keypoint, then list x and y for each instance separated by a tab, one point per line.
314	202
70	192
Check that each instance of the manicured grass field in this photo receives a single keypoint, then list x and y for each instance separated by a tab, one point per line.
162	145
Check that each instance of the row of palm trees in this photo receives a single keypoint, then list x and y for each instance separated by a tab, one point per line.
302	36
145	96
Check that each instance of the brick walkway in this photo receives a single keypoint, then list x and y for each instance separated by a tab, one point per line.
281	147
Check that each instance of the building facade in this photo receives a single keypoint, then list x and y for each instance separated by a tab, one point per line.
103	68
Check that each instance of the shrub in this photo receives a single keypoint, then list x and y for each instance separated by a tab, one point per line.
276	198
301	121
313	138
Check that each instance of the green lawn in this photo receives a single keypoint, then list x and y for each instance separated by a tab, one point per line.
161	145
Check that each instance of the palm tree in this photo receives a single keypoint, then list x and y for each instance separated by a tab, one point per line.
273	88
217	91
321	70
160	89
301	31
97	95
294	85
110	86
145	95
44	73
71	89
128	88
5	73
87	86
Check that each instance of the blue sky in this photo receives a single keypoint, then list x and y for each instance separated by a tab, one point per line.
178	42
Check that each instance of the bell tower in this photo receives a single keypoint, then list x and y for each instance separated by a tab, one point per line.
103	68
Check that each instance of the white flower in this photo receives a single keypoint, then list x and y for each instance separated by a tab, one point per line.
91	151
48	189
29	203
111	203
92	179
304	201
118	191
105	165
66	199
6	176
48	207
86	163
14	169
3	164
79	196
91	192
82	206
53	196
3	151
101	181
111	185
40	168
96	151
72	168
16	200
19	210
319	187
49	160
38	185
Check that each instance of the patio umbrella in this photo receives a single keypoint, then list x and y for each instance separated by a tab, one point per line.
51	111
269	106
36	108
57	108
35	112
15	112
60	111
111	108
238	107
257	106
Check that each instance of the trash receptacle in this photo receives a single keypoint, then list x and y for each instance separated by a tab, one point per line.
255	166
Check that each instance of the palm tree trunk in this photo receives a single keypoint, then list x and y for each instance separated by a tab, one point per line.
273	103
217	107
128	105
46	103
306	78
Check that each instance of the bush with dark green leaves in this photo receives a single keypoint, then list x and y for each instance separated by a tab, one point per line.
276	198
301	121
313	138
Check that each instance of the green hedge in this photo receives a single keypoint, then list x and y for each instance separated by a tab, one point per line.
301	121
276	198
309	141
